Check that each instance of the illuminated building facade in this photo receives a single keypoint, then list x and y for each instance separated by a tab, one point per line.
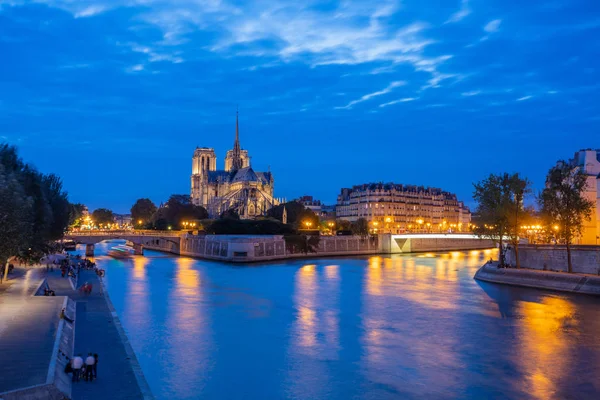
589	162
396	208
237	187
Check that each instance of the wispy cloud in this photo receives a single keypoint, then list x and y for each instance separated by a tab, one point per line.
471	93
461	14
492	26
524	98
404	100
135	68
369	96
90	11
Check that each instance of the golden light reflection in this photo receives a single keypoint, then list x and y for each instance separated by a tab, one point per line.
139	267
332	271
305	302
546	343
187	278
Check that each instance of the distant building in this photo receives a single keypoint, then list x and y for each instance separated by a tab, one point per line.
396	208
588	161
237	187
316	206
123	220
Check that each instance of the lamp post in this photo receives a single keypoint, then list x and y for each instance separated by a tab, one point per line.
331	224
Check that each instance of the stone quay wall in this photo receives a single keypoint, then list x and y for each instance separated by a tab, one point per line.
585	259
235	248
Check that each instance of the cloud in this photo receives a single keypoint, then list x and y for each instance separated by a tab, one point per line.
492	26
524	98
460	14
369	96
471	93
348	33
135	68
90	11
404	100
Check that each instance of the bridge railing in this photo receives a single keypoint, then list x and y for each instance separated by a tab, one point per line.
124	232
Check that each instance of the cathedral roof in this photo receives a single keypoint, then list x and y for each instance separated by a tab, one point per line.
246	174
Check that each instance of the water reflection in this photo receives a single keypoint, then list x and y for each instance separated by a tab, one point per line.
548	330
362	328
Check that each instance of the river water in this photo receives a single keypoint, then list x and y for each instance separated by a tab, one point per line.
399	327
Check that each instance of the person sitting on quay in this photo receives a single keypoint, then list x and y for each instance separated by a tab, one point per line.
89	367
63	315
77	365
49	292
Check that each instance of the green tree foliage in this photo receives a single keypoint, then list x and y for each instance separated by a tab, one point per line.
294	211
41	212
229	226
76	214
143	210
360	227
563	203
230	214
295	243
179	208
342	225
500	209
103	216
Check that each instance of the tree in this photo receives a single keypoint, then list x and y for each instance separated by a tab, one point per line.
343	225
519	188
142	212
180	208
292	208
562	203
76	214
360	227
15	218
103	216
230	214
499	208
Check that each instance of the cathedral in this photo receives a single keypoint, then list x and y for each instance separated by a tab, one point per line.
238	187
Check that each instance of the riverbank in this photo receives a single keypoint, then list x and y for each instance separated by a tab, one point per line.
96	329
560	281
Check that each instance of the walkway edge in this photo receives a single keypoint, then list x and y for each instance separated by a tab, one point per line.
135	365
547	280
52	367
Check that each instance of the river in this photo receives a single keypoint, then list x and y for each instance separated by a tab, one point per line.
378	327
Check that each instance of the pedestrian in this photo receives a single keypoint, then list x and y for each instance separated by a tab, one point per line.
95	366
77	364
63	315
89	367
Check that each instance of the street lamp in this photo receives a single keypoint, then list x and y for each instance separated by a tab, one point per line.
331	224
308	224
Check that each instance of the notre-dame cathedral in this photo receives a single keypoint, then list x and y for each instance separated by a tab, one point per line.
238	187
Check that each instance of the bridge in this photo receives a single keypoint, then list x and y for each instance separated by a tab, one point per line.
137	239
427	242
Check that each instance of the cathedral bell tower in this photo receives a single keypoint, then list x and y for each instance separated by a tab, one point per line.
203	161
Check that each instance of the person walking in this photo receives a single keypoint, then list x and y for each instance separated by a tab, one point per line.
77	366
95	366
89	367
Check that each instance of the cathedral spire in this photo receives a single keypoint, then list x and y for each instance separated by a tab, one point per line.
236	162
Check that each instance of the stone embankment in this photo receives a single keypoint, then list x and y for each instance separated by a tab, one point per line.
560	281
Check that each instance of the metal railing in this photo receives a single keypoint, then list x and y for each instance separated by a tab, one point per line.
124	232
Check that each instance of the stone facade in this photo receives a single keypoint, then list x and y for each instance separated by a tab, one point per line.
395	208
237	187
585	259
589	162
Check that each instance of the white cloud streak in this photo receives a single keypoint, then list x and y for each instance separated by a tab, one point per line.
524	98
404	100
369	96
461	14
492	26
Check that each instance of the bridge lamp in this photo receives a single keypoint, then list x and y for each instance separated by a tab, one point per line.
555	227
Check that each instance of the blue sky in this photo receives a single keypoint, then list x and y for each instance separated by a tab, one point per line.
115	95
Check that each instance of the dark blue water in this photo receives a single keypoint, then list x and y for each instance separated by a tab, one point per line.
398	327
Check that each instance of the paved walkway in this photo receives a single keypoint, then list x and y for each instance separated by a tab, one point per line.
28	327
95	332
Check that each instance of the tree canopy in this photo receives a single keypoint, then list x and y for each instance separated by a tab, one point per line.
142	212
34	208
500	208
563	204
178	208
103	216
